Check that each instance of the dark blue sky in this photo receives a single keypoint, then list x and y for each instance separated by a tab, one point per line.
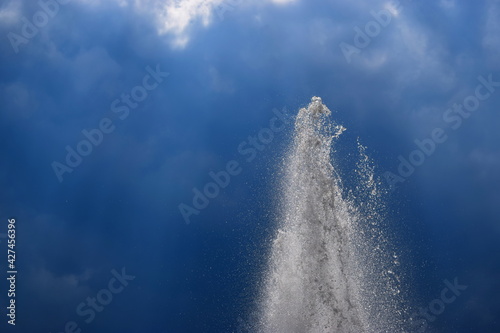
87	64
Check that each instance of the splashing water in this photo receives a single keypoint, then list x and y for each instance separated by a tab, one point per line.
329	268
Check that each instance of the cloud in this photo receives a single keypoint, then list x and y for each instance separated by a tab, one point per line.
491	33
92	67
282	2
486	162
425	56
447	4
10	12
63	288
20	101
218	83
176	17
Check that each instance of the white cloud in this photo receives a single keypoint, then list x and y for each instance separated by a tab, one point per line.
447	4
10	12
176	17
374	59
281	2
65	288
486	164
393	8
323	31
491	33
93	67
20	100
218	83
425	56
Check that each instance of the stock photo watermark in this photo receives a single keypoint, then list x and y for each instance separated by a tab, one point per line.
448	295
88	309
11	270
120	106
30	28
363	37
249	149
454	117
227	6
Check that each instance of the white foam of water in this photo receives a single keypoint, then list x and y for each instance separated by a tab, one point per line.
329	268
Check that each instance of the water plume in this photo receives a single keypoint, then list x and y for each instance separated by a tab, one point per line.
329	267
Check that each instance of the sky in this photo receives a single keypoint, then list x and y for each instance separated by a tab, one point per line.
114	114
